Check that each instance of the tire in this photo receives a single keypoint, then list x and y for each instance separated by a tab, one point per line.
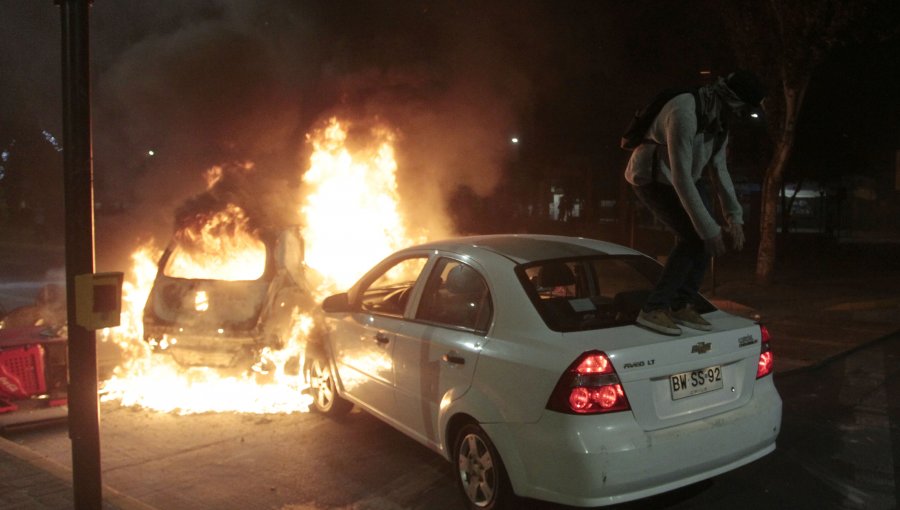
480	473
323	387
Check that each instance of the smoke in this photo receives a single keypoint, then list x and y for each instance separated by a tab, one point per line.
29	67
450	133
207	93
223	82
242	186
454	82
180	87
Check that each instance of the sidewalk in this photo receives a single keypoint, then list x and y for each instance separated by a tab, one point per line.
826	300
29	481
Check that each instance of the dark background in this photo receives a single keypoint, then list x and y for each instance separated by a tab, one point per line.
215	82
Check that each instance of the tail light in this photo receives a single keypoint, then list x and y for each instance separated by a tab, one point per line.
589	386
766	357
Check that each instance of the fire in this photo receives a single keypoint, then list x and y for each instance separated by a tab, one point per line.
157	382
350	201
135	290
351	205
220	247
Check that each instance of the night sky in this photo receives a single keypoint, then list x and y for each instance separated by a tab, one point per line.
217	81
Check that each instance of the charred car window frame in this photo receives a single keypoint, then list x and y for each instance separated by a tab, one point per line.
226	323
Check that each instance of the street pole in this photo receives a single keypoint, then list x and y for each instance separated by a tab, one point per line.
84	409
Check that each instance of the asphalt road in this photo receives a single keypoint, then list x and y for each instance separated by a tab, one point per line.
839	447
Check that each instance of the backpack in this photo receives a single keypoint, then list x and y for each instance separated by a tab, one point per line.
640	123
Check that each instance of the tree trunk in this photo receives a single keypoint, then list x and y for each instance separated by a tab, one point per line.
768	221
787	207
768	218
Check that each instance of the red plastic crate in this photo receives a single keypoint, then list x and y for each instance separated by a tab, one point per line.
7	407
27	365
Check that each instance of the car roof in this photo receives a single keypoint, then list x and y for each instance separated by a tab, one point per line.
525	248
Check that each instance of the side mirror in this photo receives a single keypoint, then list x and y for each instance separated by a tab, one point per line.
337	303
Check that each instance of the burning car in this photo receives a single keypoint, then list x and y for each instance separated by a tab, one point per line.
220	305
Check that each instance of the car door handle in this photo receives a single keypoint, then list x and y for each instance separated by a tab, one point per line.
381	338
453	359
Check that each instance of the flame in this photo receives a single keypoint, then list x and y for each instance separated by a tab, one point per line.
135	290
157	382
351	220
350	206
221	247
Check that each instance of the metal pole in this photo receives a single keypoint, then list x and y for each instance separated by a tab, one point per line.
84	409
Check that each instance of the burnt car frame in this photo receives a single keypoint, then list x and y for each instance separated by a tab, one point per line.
226	323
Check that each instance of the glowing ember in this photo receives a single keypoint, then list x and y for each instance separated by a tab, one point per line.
351	201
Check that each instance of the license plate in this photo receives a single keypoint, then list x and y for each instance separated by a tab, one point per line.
687	384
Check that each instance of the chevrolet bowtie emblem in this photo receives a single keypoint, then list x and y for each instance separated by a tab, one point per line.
701	347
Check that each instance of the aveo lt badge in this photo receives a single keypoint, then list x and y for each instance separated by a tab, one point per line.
744	341
701	347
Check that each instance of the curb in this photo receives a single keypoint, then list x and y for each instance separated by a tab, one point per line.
110	495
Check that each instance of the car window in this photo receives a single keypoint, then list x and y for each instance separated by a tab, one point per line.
592	293
456	295
229	260
389	292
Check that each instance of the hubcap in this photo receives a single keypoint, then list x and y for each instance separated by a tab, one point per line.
322	384
476	470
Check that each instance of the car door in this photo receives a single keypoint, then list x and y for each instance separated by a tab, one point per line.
436	353
364	340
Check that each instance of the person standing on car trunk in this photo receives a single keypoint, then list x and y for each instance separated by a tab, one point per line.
665	172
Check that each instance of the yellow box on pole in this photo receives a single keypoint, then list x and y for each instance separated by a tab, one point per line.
98	300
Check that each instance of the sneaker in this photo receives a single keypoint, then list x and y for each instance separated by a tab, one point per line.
659	321
689	317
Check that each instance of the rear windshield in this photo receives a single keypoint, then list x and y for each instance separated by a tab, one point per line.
228	260
592	293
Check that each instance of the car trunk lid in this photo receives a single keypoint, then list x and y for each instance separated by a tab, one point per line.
671	380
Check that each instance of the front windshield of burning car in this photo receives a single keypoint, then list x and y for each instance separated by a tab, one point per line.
221	247
592	292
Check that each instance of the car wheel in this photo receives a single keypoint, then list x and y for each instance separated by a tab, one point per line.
323	388
480	472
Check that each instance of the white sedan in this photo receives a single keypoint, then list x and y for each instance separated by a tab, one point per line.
516	357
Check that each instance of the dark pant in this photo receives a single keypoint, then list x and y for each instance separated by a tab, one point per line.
686	266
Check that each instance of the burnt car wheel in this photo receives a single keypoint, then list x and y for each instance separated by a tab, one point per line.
323	388
480	472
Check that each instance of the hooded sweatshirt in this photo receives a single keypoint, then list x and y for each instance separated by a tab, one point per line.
683	154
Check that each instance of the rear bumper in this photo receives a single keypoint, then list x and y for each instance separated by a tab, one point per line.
602	460
205	348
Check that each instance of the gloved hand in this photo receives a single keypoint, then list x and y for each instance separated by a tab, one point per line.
714	246
736	232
